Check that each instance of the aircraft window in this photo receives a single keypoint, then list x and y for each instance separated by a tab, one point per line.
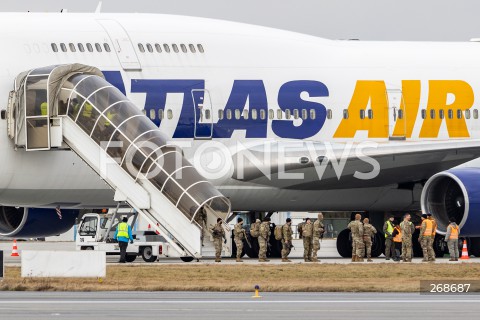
229	114
271	114
263	114
475	114
424	113
288	114
184	48
149	48
141	47
107	47
166	48
245	114
370	113
450	114
467	113
63	47
89	47
362	114
432	114
279	114
98	47
237	114
160	114
459	114
329	114
192	48
81	48
72	47
169	114
175	48
304	114
207	114
152	114
295	114
54	47
220	114
345	114
254	114
158	47
441	114
200	48
400	114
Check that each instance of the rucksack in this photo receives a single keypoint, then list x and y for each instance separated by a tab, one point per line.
300	230
278	232
255	230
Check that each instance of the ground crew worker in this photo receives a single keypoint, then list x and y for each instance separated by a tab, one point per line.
238	236
307	233
356	227
425	238
368	233
451	237
44	108
317	234
434	232
263	239
407	228
388	231
397	242
201	219
287	236
218	234
123	234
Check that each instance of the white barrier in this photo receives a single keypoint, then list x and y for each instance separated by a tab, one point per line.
71	264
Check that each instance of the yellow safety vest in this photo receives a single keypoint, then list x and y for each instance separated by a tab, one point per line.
87	110
428	229
454	233
389	228
110	116
398	237
44	108
122	230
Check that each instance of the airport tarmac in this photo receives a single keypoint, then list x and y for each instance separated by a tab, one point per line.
213	305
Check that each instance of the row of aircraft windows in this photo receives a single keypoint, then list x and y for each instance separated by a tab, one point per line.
72	47
166	48
459	114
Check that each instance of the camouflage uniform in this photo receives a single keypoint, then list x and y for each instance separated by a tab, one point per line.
238	236
452	241
357	239
201	219
307	232
407	229
263	240
317	233
431	257
389	244
286	240
368	232
218	234
425	241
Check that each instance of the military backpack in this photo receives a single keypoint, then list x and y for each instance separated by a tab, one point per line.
278	232
255	230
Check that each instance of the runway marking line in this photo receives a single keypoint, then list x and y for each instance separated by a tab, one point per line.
224	301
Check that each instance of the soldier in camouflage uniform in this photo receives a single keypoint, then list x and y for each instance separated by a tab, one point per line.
238	236
356	227
263	239
201	219
286	240
431	257
425	238
218	234
407	228
307	233
368	233
317	234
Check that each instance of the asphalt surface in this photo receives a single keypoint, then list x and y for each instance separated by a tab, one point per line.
202	305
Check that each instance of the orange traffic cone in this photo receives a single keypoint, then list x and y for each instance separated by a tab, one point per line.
149	226
156	230
15	249
465	255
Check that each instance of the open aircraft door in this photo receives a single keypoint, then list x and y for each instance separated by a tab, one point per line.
397	124
203	114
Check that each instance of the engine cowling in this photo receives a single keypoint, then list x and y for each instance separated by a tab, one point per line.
34	222
454	193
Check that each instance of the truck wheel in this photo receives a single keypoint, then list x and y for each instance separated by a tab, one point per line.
87	248
147	254
130	257
187	259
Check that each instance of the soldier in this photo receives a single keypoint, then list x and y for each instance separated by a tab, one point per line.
434	232
425	238
317	234
407	228
201	219
388	227
397	242
452	239
368	232
356	227
263	239
218	234
286	240
238	236
307	233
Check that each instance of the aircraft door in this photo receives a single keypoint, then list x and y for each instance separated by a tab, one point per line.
203	115
122	45
396	115
37	113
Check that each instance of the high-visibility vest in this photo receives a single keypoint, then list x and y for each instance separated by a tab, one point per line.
389	228
122	230
429	228
434	227
110	116
398	237
44	108
453	233
87	110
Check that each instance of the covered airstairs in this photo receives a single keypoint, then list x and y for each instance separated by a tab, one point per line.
73	106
